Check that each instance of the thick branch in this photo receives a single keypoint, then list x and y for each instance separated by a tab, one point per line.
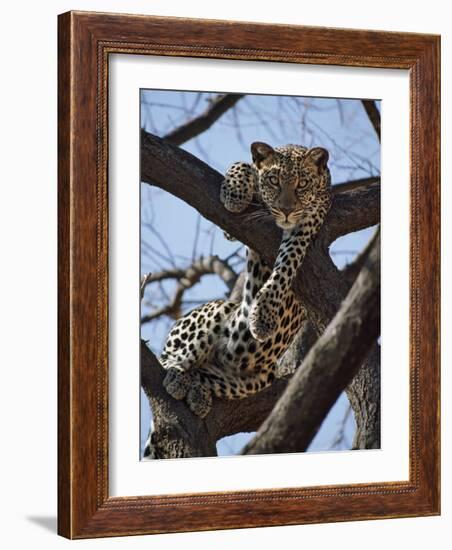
328	368
218	106
364	394
193	181
352	211
355	184
178	433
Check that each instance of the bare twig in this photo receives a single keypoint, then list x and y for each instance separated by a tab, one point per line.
340	435
170	256
218	106
195	241
144	282
187	279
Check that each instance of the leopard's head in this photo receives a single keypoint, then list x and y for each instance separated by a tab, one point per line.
291	180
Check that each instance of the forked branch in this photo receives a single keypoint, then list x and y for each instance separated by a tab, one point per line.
196	183
187	278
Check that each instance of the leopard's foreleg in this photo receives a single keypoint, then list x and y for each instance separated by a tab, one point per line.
295	242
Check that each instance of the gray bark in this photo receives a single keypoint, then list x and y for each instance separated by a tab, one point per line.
364	393
179	433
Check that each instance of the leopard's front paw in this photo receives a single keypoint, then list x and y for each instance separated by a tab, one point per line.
199	399
177	382
262	320
237	188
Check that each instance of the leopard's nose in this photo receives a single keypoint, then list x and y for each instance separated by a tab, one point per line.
286	211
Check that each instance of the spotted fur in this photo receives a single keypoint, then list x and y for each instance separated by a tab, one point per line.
231	350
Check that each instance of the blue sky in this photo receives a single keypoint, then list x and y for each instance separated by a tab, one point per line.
173	233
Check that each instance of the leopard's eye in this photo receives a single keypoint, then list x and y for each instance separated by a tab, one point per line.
302	184
273	180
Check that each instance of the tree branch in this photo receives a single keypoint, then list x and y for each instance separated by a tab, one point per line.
355	184
364	394
196	183
218	106
178	433
327	369
351	271
374	115
187	279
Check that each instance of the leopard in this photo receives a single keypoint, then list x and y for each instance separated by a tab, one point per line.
230	350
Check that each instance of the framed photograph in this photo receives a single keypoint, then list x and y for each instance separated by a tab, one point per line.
248	275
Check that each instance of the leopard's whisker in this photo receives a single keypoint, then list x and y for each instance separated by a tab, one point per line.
258	216
256	212
263	217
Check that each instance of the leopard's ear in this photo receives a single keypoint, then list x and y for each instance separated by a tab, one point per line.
318	156
261	152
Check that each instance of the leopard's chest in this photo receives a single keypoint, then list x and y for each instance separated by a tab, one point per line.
238	351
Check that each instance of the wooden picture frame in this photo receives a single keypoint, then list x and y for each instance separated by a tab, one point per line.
86	40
